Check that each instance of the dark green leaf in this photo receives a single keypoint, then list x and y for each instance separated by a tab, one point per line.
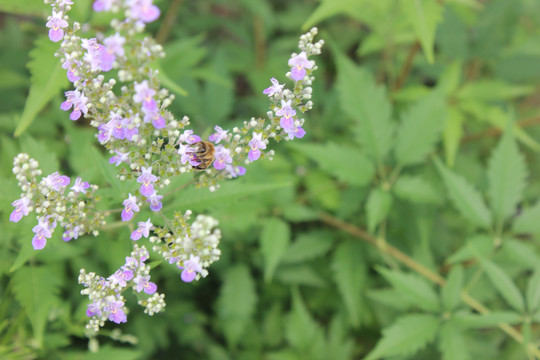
423	16
491	319
416	189
479	244
452	342
504	284
451	292
308	246
301	331
528	220
378	205
533	291
274	241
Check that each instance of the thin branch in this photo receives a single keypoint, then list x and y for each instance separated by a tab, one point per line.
168	22
406	69
494	131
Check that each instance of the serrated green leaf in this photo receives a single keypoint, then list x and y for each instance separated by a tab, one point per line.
308	246
167	82
274	241
518	252
378	205
423	16
479	244
47	79
301	331
533	291
528	220
506	174
465	198
492	90
452	133
387	297
451	292
406	336
109	173
236	303
299	275
48	161
344	162
491	319
452	342
413	287
504	284
350	276
367	103
416	189
36	289
419	128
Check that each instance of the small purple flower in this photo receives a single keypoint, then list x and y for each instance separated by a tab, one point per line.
276	88
121	277
56	181
143	230
97	55
115	44
295	131
219	135
223	157
299	64
116	313
188	137
143	10
146	179
157	120
255	144
80	186
71	232
105	132
56	25
235	170
42	232
103	5
155	201
286	112
130	206
145	95
119	158
116	124
191	268
78	101
21	209
71	67
143	283
94	309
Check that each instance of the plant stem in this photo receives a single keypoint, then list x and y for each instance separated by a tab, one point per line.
168	22
406	69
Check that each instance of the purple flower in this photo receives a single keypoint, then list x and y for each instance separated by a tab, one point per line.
116	124
103	5
143	230
146	179
223	157
56	25
21	209
255	144
105	132
188	137
235	170
299	64
116	313
155	201
71	232
97	55
143	10
80	186
130	205
295	131
286	112
94	309
276	88
42	232
191	268
119	158
56	181
157	120
78	101
143	283
115	44
71	67
186	155
145	95
219	135
121	277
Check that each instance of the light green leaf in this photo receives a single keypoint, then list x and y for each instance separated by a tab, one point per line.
528	221
301	331
342	161
479	244
452	342
329	8
387	297
423	16
406	336
451	292
504	284
27	7
367	103
47	159
222	95
274	241
378	205
350	276
413	287
491	319
506	173
419	128
465	198
452	133
416	189
36	289
47	79
492	90
167	82
533	291
299	275
109	174
308	246
236	303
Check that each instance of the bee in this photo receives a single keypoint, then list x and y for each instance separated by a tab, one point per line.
203	152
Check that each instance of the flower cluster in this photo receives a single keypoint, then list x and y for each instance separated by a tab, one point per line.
55	202
106	299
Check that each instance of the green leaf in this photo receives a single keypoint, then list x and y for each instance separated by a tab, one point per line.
27	7
350	276
451	292
167	82
533	291
367	103
479	244
36	289
492	90
299	275
236	303
452	133
329	8
419	128
465	198
109	174
488	320
506	173
301	331
416	189
308	246
504	284
527	222
452	342
342	161
423	16
412	287
47	79
406	336
378	205
274	241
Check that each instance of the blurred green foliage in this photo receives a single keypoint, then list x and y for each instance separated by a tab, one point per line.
403	226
